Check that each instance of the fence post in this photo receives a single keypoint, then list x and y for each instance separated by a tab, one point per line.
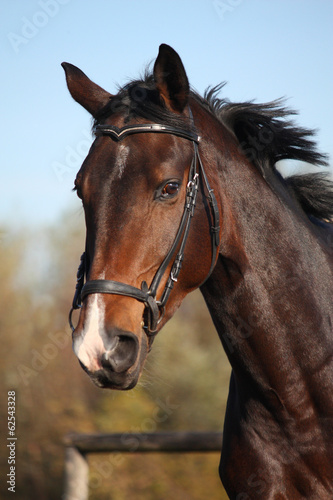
76	475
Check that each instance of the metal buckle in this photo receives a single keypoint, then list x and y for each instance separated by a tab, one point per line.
193	182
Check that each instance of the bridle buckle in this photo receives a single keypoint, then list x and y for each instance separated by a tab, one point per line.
192	182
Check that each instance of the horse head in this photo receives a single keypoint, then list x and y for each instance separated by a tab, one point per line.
150	214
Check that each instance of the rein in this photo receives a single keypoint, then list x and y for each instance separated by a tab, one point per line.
154	308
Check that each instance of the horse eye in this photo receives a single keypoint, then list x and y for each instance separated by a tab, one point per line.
77	189
170	189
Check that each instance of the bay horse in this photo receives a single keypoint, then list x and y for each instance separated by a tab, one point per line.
181	191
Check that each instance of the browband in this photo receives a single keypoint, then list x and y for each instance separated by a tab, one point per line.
120	133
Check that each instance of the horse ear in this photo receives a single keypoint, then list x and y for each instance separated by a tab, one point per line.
87	93
170	79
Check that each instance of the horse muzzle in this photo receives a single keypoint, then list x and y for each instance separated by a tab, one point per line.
112	357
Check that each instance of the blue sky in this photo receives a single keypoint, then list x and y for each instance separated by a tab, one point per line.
263	49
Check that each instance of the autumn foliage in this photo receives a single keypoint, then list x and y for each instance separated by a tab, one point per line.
184	385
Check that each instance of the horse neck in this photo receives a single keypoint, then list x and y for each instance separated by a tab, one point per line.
272	282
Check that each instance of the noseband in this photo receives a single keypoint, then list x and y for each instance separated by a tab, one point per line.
154	308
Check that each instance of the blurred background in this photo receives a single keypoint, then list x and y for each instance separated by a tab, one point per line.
264	50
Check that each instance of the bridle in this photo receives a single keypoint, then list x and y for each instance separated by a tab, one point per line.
154	308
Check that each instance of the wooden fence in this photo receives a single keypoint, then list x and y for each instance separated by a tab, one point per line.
78	446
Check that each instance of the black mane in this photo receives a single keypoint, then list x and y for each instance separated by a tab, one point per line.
265	132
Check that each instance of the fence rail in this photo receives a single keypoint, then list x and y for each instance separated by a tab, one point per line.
78	446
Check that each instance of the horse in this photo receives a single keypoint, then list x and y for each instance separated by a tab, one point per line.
183	192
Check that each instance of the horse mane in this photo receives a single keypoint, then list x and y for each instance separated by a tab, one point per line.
265	133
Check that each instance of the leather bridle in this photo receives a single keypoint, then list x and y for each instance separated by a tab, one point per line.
154	308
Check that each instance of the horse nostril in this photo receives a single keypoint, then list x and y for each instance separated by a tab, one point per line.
122	353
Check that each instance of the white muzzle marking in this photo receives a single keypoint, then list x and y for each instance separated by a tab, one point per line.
89	346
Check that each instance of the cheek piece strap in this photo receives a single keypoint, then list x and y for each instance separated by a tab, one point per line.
154	308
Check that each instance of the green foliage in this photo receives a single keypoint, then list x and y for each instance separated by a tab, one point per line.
183	387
